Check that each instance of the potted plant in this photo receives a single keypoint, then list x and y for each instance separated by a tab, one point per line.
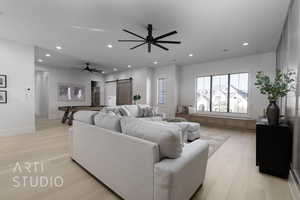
136	98
279	87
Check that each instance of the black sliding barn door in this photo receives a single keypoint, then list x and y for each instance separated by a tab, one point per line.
124	92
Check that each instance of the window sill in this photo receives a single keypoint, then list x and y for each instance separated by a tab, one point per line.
223	115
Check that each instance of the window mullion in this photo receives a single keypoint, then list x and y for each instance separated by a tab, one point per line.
210	98
228	93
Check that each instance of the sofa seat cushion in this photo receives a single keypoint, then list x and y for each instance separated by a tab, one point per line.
108	121
85	116
167	136
156	118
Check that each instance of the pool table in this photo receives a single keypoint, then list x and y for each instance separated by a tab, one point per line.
70	110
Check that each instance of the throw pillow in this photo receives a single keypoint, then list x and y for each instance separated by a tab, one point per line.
148	112
112	109
141	108
124	111
167	136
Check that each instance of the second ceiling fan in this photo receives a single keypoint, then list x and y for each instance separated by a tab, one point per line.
150	40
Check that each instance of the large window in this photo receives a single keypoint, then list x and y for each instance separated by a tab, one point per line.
162	91
222	93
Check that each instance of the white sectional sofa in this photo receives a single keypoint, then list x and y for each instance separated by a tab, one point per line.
138	111
134	167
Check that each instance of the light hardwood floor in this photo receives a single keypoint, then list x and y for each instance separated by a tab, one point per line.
231	171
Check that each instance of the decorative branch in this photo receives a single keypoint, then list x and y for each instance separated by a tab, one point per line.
280	87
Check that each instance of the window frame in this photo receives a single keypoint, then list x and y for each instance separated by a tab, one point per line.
158	91
228	96
210	93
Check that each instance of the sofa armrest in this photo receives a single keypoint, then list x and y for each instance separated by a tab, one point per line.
178	179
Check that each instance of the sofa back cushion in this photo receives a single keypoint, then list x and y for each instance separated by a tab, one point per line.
85	116
108	121
167	136
133	110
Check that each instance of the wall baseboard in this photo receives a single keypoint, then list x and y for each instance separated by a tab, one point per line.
294	188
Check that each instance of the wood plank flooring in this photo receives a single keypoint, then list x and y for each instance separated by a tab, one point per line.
231	172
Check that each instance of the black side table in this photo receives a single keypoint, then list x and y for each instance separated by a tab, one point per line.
273	149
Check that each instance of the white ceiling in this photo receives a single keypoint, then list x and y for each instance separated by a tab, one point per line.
205	27
58	59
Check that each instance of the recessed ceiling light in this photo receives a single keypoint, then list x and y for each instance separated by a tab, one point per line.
155	62
245	43
40	60
115	69
109	46
103	72
47	55
58	47
191	55
129	66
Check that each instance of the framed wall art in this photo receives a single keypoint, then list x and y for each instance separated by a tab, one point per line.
3	81
71	92
3	96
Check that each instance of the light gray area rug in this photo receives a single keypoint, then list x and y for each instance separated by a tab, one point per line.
215	141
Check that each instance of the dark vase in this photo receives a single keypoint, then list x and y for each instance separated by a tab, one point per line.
273	113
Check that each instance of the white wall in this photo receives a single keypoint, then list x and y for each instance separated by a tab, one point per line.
71	76
17	62
251	64
141	83
171	74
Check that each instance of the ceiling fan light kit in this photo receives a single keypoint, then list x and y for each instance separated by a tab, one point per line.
150	40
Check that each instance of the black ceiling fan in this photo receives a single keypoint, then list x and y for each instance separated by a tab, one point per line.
88	68
150	40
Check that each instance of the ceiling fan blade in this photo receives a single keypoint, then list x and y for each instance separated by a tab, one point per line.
165	35
160	46
138	45
131	40
168	42
149	47
133	34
